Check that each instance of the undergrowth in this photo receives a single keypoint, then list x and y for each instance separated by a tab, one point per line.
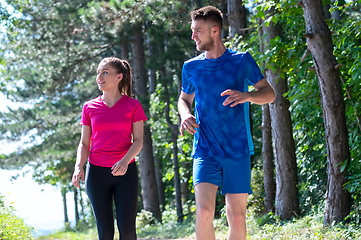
11	226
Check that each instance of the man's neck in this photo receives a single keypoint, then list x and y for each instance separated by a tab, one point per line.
216	51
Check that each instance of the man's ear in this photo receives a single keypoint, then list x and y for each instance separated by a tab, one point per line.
215	29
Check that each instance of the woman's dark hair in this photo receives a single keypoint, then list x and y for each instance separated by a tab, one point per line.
123	67
208	13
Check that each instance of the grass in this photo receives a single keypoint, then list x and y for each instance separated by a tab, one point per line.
264	227
71	235
308	227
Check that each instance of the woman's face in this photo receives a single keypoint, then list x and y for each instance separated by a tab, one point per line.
107	77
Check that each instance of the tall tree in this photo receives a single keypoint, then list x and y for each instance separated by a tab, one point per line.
237	17
319	42
146	159
267	149
287	204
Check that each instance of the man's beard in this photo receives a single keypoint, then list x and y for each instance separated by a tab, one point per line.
205	46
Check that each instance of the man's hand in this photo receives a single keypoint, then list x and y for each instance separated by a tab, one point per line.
235	97
189	124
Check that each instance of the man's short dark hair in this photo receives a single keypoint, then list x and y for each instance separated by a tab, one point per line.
208	13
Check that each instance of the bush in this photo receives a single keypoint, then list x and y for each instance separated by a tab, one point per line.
12	227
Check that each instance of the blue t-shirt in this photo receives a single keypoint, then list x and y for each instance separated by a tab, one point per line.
223	131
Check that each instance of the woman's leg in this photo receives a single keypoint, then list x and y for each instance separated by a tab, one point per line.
99	189
126	201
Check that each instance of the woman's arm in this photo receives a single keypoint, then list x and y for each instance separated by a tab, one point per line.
82	155
121	167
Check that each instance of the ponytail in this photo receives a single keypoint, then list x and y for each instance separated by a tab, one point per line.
126	87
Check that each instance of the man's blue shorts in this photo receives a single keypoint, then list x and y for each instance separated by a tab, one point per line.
231	175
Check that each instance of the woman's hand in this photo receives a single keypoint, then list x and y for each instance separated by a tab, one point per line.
119	168
78	176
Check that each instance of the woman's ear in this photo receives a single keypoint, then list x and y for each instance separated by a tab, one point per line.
120	77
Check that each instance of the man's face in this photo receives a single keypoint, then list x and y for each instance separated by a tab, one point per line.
202	35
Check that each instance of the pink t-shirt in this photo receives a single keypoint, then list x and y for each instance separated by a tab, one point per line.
111	128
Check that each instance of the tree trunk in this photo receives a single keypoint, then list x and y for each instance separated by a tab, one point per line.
267	149
174	130
159	180
287	204
268	164
237	17
178	195
146	159
76	209
125	48
187	165
65	208
152	71
319	42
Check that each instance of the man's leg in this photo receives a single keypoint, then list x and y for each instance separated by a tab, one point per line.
205	194
236	215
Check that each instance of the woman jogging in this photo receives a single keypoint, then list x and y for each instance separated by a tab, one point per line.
111	136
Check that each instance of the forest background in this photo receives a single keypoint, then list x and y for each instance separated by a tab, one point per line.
307	142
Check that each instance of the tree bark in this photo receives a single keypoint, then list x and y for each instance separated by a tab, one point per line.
319	42
267	149
237	17
268	164
76	208
287	203
146	159
159	180
65	208
174	130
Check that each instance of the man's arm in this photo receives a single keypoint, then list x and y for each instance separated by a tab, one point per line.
188	121
264	94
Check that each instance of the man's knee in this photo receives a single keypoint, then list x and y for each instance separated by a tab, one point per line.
236	218
204	212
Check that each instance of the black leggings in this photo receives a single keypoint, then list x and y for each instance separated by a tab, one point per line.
102	187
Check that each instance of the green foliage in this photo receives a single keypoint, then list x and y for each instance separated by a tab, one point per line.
170	228
256	200
309	227
51	54
11	226
347	50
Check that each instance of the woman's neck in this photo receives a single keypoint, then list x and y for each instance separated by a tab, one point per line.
110	98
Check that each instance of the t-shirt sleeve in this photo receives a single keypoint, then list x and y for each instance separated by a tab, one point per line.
253	73
139	114
187	86
85	119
